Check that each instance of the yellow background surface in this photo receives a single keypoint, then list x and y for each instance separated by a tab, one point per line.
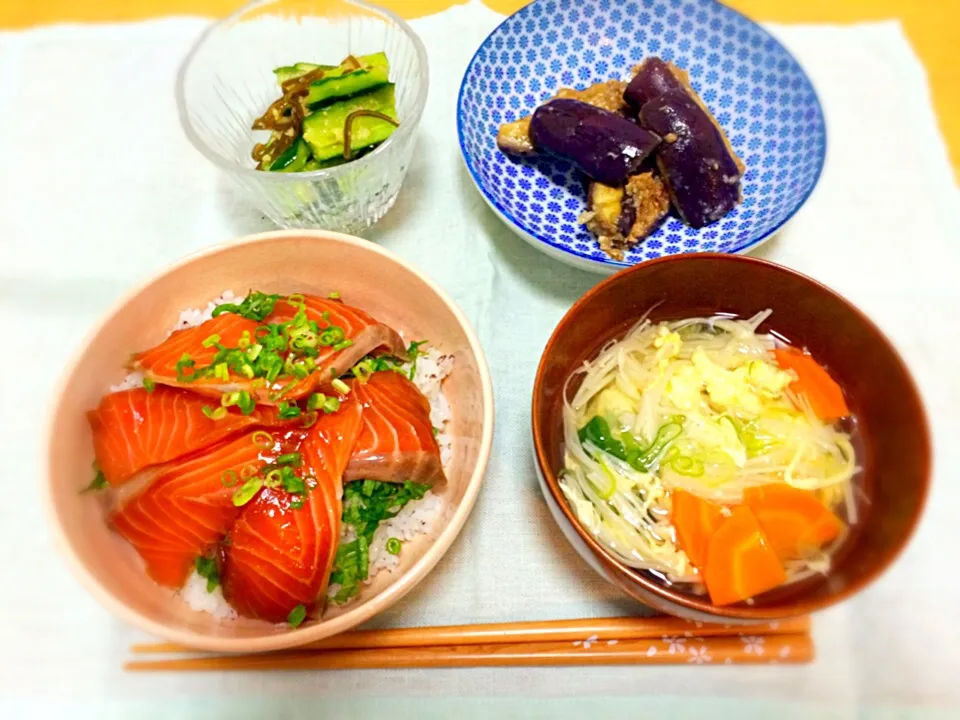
933	27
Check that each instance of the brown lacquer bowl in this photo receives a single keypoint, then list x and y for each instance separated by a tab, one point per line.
283	262
895	450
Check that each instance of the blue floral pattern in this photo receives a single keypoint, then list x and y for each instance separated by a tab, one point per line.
756	90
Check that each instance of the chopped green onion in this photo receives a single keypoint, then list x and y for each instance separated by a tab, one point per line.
184	362
393	546
297	616
343	345
364	369
248	471
334	295
218	414
211	341
229	399
414	352
331	336
291	458
331	404
246	492
310	418
287	411
244	342
297	502
246	403
436	431
273	479
149	385
597	432
207	568
341	387
686	465
263	440
253	352
293	484
319	401
99	481
228	478
221	371
255	306
297	299
300	371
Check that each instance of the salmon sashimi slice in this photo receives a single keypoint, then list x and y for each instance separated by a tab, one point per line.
397	441
280	556
364	333
188	357
134	430
165	363
188	507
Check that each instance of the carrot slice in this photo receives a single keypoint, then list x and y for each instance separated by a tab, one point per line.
695	520
795	522
740	561
823	393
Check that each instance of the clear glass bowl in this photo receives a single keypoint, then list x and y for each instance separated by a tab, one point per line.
227	81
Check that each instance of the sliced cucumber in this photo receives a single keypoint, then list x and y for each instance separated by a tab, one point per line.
289	72
293	159
346	79
324	129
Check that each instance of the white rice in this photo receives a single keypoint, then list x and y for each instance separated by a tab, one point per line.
195	594
416	518
191	317
131	381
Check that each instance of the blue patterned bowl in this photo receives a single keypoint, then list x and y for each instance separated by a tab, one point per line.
757	91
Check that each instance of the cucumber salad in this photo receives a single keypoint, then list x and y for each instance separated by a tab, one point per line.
327	115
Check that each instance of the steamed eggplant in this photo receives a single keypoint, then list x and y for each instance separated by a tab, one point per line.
514	137
608	129
654	78
701	173
603	145
620	217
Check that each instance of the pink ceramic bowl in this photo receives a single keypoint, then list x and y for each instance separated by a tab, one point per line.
286	261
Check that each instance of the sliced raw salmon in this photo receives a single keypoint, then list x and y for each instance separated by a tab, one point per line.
188	507
280	556
160	363
134	430
365	334
397	441
361	335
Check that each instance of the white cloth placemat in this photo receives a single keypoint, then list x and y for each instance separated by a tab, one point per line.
100	188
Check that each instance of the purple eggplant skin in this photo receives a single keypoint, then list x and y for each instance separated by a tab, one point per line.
653	79
699	169
602	144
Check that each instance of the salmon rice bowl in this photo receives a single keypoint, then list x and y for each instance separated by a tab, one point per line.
274	453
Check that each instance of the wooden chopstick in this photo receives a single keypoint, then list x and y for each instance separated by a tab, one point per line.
617	628
756	649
